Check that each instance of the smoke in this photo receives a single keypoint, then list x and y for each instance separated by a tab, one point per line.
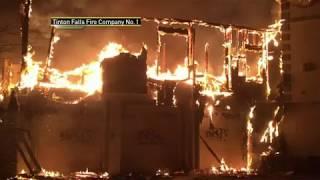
10	30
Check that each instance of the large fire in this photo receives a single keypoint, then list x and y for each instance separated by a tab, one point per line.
89	75
90	80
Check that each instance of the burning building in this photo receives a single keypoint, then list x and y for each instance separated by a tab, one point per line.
119	114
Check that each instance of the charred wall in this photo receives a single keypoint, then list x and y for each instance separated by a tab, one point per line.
65	137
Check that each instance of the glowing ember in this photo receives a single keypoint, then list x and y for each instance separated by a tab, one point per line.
45	174
52	174
104	175
267	152
210	111
86	174
1	98
91	175
225	169
163	173
23	172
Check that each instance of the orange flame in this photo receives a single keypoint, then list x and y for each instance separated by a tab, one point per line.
90	74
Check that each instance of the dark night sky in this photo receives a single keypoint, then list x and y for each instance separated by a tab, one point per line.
79	46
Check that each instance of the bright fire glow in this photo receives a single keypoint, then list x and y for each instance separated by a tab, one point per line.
249	138
181	73
272	129
29	77
89	75
224	169
89	80
51	174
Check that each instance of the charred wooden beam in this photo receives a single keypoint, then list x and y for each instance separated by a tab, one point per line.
25	5
253	47
171	30
48	63
206	53
210	150
163	58
191	45
179	21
